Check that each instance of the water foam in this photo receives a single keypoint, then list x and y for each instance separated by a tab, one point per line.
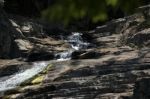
76	42
20	77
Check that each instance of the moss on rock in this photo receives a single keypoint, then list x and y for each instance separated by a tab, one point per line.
38	80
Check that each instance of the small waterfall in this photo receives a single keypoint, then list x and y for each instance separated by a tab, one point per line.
62	56
76	42
20	77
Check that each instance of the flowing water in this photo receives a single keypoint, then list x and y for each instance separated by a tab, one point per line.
76	42
63	56
20	77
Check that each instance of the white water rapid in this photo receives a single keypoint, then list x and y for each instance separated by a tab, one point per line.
76	42
18	78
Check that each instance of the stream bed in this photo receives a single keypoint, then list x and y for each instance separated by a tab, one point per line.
18	78
76	42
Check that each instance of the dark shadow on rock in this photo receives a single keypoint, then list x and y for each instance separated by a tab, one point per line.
7	35
86	54
9	70
39	56
142	89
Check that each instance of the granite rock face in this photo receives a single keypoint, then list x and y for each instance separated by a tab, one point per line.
117	66
135	31
22	37
111	76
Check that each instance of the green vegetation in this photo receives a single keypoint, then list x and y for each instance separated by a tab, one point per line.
96	10
67	11
40	77
38	80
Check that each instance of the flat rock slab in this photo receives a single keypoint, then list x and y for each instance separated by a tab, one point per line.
9	67
7	62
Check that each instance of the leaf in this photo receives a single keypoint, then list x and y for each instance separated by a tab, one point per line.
112	2
100	17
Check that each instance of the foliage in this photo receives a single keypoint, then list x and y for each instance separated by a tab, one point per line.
96	10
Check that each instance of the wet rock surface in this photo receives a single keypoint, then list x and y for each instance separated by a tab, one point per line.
111	67
9	67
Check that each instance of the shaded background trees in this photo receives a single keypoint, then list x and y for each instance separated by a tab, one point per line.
68	11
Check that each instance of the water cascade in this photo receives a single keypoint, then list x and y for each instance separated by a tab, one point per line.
18	78
76	42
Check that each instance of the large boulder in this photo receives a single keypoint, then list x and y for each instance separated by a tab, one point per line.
9	32
5	35
135	38
136	31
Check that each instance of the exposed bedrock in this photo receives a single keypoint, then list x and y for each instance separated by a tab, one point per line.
114	64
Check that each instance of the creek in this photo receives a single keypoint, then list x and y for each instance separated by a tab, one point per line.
12	81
